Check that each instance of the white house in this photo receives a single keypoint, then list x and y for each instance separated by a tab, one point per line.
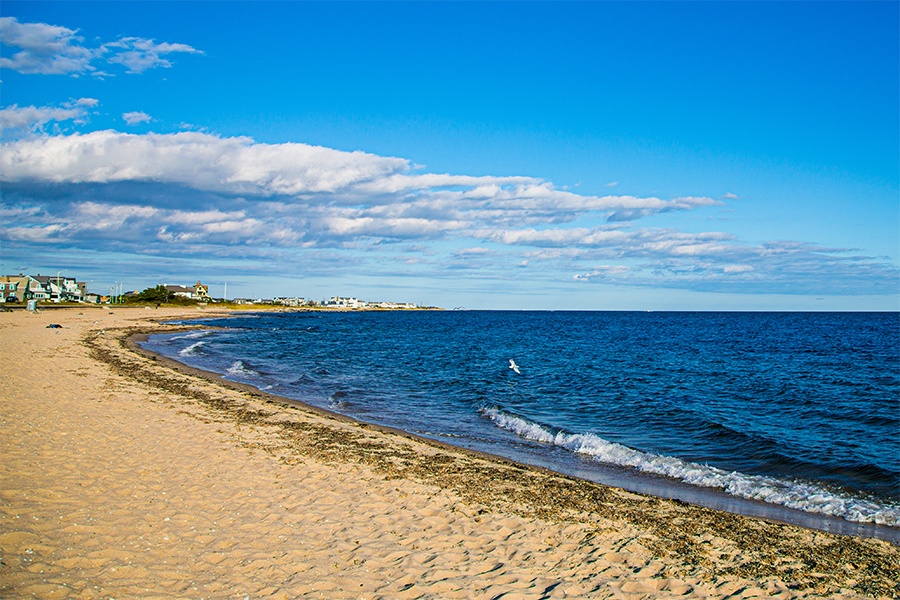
59	288
197	292
340	302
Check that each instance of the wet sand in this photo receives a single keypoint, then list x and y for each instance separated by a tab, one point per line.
124	475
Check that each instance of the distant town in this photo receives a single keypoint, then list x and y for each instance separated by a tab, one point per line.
64	289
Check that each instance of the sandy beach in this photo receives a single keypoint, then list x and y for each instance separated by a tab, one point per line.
124	475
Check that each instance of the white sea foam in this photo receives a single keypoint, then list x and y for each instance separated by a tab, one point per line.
795	494
240	368
192	349
338	400
194	335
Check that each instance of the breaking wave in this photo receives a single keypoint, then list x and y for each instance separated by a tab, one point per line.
192	350
241	369
795	494
194	335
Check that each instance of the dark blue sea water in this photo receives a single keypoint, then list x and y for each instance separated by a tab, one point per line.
788	410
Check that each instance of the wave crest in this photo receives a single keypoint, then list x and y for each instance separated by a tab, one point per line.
241	369
193	349
194	335
795	494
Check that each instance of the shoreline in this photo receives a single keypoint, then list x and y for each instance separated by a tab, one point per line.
602	541
657	486
663	488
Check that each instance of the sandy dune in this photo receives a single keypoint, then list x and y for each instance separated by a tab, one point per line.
123	477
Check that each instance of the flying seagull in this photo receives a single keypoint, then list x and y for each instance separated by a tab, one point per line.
513	366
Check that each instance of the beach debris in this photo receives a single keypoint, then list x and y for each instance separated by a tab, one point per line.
54	326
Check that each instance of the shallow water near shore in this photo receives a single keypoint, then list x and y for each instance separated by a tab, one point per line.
790	416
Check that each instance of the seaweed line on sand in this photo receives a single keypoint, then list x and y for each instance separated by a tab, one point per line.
689	538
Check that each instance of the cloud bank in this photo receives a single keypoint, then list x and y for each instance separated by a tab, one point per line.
294	206
240	166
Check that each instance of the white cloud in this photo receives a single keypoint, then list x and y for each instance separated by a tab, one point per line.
136	117
45	49
636	242
474	251
301	195
603	272
195	194
196	160
685	247
42	234
140	54
18	212
737	268
241	166
204	217
34	118
97	216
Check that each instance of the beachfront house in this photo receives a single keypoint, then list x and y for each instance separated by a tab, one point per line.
19	288
197	292
53	288
289	301
180	291
201	292
393	305
59	288
341	302
9	289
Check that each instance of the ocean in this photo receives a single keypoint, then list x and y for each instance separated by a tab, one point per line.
789	416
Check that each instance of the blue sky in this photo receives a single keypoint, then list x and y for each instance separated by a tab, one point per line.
611	155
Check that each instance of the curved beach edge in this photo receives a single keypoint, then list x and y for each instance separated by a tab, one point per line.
643	484
299	482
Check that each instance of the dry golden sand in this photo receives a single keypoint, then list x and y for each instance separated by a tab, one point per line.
125	477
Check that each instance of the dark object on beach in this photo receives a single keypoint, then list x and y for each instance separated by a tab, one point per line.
54	326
